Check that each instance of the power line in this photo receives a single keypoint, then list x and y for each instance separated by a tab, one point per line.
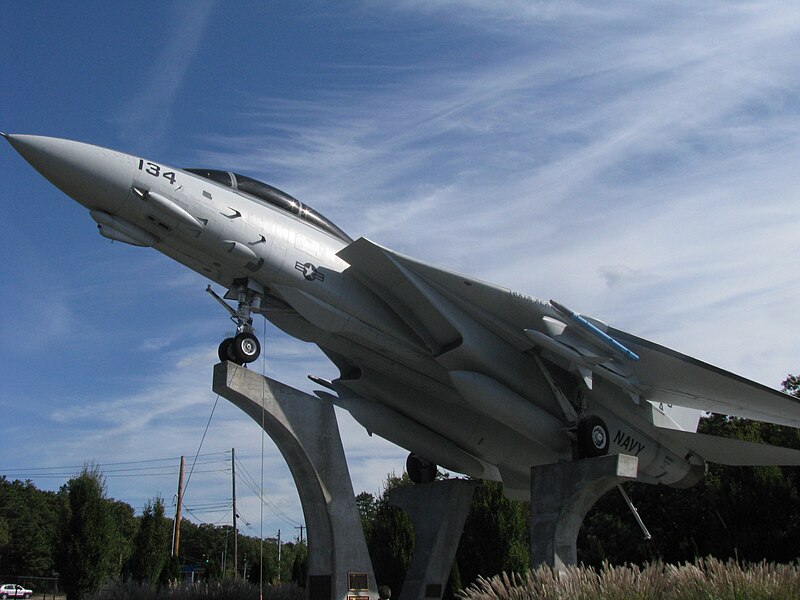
248	480
23	475
129	462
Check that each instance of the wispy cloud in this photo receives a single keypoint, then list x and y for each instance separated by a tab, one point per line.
166	415
146	114
636	161
658	140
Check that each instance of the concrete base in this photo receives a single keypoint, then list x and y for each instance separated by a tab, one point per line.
437	511
306	432
562	494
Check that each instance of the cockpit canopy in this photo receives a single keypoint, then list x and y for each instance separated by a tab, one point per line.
266	194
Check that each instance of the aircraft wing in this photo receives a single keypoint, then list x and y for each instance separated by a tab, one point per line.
674	378
423	296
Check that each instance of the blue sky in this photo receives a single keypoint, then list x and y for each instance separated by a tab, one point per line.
639	162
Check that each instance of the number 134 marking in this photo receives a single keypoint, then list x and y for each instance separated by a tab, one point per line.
155	170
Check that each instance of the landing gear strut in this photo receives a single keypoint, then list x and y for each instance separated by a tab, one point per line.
244	347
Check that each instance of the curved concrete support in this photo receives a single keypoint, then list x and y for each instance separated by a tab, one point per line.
305	430
562	494
437	511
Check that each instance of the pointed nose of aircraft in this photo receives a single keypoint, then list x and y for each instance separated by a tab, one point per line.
98	178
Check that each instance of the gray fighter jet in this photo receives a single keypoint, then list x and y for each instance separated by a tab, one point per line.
476	378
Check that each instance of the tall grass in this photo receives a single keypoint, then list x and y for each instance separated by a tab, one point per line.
227	589
705	579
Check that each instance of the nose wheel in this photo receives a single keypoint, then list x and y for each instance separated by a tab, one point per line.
243	348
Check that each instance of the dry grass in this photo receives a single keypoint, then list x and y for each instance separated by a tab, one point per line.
705	579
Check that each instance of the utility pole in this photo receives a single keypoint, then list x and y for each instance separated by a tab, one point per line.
301	527
235	533
279	555
176	538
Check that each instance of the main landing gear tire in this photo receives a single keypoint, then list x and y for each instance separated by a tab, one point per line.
593	438
420	470
242	349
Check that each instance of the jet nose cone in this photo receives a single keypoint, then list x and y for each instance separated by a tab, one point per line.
98	178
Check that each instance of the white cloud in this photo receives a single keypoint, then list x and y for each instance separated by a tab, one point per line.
637	162
658	141
147	111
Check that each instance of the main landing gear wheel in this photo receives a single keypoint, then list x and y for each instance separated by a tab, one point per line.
593	438
420	470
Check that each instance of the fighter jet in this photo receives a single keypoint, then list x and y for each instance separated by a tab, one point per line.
479	379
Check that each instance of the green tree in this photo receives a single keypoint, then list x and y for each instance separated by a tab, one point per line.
496	535
791	385
127	526
390	538
171	571
151	545
30	518
89	542
5	538
300	565
367	506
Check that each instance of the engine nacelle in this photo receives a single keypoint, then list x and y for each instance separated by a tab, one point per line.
657	463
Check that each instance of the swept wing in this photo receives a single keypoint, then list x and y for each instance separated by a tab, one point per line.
421	294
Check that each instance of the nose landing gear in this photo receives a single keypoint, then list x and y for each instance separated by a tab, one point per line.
244	347
241	349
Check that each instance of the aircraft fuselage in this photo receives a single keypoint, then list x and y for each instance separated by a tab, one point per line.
463	395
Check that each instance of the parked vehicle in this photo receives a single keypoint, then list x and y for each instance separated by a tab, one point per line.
12	590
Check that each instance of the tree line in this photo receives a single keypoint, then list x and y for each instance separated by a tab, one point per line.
744	513
90	540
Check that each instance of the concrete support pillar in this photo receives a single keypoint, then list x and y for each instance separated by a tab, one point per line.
305	430
562	494
437	511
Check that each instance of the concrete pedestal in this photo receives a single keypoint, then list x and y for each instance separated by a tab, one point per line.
437	511
562	494
306	432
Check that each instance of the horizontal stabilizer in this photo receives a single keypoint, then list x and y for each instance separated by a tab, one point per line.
729	451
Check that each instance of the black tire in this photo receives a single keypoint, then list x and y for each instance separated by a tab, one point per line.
245	348
420	470
223	352
27	596
593	438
